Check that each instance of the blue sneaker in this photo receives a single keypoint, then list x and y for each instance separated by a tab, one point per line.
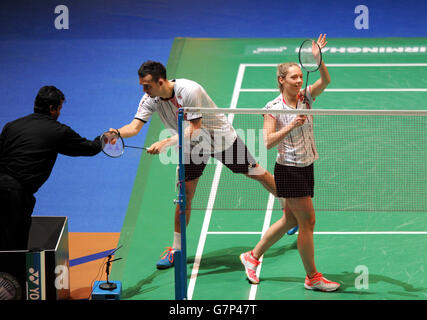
292	231
166	260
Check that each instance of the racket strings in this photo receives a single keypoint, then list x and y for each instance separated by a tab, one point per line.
310	55
113	145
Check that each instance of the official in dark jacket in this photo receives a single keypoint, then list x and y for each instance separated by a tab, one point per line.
29	147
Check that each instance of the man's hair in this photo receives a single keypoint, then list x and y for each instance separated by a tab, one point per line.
156	69
46	97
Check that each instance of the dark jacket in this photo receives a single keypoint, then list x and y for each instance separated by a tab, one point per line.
30	145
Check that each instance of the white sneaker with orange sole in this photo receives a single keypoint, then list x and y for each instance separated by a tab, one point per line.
251	264
318	282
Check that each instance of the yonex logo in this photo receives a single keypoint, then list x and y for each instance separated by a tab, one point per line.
33	292
34	276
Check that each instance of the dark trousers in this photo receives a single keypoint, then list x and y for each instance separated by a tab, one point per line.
16	207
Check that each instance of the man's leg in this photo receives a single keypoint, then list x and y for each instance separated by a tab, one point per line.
190	190
15	218
263	176
167	260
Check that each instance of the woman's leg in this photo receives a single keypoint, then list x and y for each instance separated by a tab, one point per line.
303	210
276	231
250	260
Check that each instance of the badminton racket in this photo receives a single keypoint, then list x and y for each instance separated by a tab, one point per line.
310	59
113	144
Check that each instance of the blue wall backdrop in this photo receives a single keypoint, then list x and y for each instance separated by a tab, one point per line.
95	63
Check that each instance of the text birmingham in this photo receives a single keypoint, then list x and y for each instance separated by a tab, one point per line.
415	49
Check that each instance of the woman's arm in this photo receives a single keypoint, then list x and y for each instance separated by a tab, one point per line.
320	85
273	137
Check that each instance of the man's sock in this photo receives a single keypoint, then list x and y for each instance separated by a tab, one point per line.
176	241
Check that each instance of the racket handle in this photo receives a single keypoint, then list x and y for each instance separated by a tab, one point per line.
144	148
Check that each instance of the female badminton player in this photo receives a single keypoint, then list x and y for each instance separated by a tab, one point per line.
293	173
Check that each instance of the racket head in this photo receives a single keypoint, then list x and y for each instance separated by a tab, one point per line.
310	55
112	144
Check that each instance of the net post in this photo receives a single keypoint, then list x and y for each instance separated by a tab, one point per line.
181	261
178	271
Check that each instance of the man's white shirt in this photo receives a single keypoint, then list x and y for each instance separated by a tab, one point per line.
189	94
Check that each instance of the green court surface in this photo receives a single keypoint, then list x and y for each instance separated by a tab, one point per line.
371	225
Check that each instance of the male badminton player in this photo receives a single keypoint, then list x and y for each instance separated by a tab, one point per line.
293	173
165	97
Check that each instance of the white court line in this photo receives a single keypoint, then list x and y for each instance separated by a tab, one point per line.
234	232
377	90
325	232
267	221
370	232
348	90
204	232
212	196
344	65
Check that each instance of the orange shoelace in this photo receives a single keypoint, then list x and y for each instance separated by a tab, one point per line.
168	252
